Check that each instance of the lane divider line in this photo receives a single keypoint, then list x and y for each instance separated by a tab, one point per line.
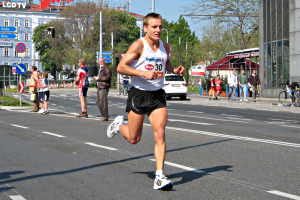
19	126
234	137
208	118
53	134
190	122
283	194
101	146
16	197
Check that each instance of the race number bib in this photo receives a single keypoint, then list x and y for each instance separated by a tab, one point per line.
156	65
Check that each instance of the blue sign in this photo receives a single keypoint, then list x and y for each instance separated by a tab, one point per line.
104	53
107	56
21	69
8	28
107	60
7	36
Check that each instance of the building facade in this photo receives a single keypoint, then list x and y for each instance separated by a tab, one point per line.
25	22
280	45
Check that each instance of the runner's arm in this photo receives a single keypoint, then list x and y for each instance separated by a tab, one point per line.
178	70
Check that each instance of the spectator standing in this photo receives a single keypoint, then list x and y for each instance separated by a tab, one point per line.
43	93
212	88
243	86
103	85
33	81
218	84
254	83
82	83
232	84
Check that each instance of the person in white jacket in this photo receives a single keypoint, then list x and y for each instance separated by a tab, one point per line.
232	84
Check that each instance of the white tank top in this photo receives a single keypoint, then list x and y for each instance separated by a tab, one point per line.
150	61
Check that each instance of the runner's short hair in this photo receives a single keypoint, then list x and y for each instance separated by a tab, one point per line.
149	16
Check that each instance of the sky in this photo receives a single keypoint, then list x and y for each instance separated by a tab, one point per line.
169	9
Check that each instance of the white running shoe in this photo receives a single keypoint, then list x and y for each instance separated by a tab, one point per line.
162	183
41	111
113	128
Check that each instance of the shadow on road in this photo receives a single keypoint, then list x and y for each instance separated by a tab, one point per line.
187	176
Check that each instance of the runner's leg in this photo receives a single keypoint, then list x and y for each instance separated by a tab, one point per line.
158	119
132	131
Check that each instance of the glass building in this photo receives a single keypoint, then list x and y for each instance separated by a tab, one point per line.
280	52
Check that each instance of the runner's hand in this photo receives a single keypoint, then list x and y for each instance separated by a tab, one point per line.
150	75
179	70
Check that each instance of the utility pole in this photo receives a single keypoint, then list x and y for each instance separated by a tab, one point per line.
100	37
153	5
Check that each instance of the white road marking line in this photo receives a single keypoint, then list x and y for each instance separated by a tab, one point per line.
200	117
283	194
234	137
101	146
181	167
238	118
19	126
16	197
195	112
189	122
290	126
224	114
53	134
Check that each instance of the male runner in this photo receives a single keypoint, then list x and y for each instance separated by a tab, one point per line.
146	61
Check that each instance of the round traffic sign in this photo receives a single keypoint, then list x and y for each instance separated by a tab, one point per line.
20	47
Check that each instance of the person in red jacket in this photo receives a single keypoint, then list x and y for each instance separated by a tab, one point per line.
218	83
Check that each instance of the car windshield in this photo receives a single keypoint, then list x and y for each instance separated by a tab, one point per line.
174	78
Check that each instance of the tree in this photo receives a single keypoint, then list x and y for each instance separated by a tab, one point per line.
183	42
239	14
52	51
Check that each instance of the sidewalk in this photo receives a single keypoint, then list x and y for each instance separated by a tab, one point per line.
268	104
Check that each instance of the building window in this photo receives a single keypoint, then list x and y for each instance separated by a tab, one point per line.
17	23
26	36
26	23
16	53
6	22
5	52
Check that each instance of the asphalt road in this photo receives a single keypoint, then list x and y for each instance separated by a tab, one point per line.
214	152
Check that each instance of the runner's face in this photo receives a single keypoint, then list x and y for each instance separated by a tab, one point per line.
154	28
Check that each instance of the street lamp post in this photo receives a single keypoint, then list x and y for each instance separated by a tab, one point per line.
153	5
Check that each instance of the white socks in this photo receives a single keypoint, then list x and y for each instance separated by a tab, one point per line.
159	173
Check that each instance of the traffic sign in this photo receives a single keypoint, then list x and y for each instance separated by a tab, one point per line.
7	36
104	53
107	56
21	69
20	47
107	60
8	28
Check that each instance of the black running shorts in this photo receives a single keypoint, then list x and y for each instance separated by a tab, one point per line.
144	102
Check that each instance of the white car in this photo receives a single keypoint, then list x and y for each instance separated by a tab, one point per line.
175	86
